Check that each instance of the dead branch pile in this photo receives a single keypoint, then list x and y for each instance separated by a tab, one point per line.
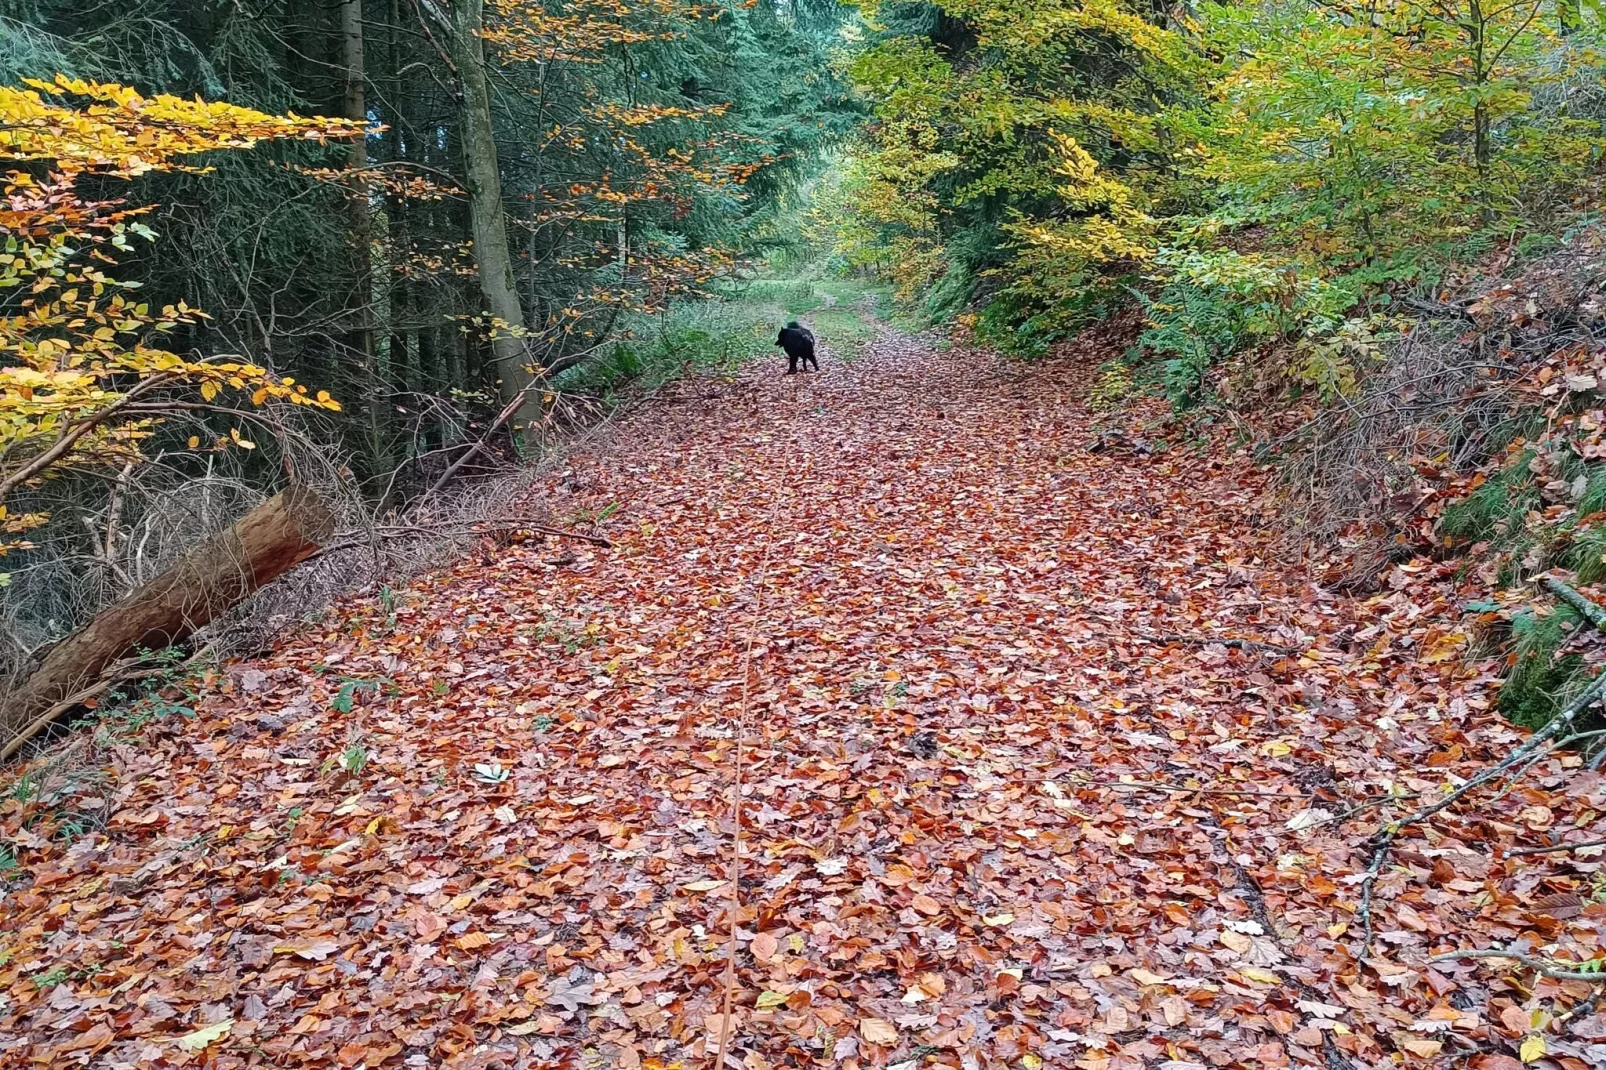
1442	400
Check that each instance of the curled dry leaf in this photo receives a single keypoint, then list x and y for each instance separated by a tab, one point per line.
202	1038
312	950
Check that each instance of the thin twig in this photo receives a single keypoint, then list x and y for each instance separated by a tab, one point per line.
1547	967
1383	839
728	1004
1553	848
1179	789
1437	308
541	380
1524	756
1255	899
120	672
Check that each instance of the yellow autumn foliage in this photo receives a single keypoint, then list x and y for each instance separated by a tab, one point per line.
85	376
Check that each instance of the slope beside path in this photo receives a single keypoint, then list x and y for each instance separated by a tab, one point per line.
1009	801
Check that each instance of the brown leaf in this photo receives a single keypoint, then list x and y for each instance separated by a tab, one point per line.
1516	1020
1490	1061
879	1032
1561	905
313	950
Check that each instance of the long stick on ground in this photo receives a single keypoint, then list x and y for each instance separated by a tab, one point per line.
1560	725
728	1002
1384	838
1555	847
1590	611
1547	967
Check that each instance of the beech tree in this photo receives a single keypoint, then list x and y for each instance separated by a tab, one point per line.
84	375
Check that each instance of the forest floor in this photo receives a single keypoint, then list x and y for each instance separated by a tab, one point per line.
1008	797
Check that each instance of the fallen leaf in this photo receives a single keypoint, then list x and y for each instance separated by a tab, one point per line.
1425	1048
703	886
878	1032
205	1036
1308	818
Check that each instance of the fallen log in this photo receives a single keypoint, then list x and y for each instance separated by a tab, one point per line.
1591	611
204	584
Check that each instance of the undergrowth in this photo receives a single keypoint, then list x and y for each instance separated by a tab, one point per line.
713	335
737	324
1542	510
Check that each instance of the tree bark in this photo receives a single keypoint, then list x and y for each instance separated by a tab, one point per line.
210	579
369	280
487	221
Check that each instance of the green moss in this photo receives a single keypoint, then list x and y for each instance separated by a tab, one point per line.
1496	508
1542	678
1586	554
1508	513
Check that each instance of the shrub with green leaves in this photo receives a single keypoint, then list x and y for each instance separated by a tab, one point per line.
1215	303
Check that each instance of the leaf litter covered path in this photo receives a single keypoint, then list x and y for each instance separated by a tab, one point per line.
1007	803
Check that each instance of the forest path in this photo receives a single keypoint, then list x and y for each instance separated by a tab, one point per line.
984	691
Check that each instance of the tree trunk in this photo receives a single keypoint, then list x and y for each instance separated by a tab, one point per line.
487	223
368	281
1477	29
356	78
209	580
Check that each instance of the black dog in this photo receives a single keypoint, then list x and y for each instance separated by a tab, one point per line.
799	345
